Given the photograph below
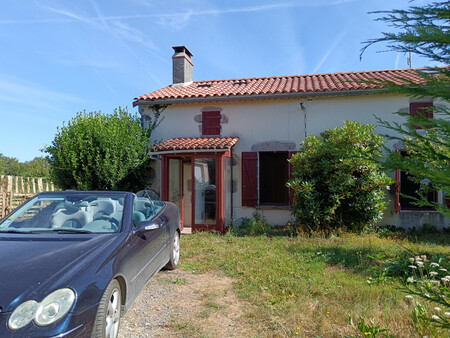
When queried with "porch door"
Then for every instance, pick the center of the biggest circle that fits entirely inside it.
(204, 176)
(196, 185)
(176, 185)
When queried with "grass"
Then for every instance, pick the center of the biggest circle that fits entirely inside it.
(309, 286)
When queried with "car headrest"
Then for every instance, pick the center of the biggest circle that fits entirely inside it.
(138, 217)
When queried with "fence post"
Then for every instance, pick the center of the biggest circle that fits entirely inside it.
(9, 183)
(40, 187)
(2, 204)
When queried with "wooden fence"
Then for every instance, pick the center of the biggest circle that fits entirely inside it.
(15, 189)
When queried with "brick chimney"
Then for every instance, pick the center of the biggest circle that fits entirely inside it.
(182, 66)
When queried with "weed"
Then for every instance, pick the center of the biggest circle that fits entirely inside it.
(188, 329)
(369, 329)
(178, 280)
(255, 226)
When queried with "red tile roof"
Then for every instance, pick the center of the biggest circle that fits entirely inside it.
(279, 85)
(197, 143)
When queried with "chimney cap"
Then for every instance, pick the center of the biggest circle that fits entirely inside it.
(181, 49)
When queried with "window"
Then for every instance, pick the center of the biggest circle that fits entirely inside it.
(264, 177)
(273, 175)
(410, 188)
(406, 187)
(211, 123)
(421, 109)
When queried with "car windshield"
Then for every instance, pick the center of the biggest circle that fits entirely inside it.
(67, 213)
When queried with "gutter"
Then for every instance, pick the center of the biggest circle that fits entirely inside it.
(255, 97)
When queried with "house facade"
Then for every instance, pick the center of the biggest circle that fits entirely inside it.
(225, 144)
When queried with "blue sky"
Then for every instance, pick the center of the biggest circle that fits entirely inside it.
(59, 57)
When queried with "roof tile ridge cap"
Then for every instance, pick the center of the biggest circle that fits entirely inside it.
(304, 75)
(365, 71)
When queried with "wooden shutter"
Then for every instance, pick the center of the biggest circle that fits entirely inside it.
(249, 179)
(211, 123)
(421, 109)
(291, 169)
(397, 188)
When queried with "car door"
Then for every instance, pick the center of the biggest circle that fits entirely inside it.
(148, 245)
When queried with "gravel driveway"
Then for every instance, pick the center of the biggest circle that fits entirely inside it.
(180, 304)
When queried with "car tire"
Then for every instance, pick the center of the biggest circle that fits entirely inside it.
(107, 320)
(174, 252)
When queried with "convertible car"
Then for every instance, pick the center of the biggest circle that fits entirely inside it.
(73, 262)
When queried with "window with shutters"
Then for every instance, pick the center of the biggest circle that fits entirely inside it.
(211, 123)
(264, 177)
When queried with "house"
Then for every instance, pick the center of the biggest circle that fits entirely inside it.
(225, 143)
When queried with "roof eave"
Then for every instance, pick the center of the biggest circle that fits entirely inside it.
(256, 97)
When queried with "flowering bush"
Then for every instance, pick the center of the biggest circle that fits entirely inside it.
(336, 181)
(429, 280)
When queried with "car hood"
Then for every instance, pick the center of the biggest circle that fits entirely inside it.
(32, 266)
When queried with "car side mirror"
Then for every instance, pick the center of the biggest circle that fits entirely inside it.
(146, 226)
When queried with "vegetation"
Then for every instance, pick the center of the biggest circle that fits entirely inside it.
(422, 31)
(310, 286)
(38, 167)
(100, 152)
(336, 181)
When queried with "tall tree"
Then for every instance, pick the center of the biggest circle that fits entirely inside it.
(424, 31)
(100, 152)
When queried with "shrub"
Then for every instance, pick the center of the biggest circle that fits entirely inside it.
(100, 152)
(255, 226)
(336, 181)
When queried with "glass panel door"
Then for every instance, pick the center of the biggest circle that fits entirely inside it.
(205, 190)
(176, 184)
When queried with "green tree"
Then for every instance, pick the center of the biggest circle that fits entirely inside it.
(11, 166)
(424, 31)
(100, 152)
(37, 167)
(336, 180)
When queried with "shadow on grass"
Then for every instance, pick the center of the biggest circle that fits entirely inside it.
(358, 261)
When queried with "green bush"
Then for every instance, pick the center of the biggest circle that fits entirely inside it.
(336, 181)
(95, 151)
(255, 226)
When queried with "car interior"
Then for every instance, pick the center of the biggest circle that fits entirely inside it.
(97, 214)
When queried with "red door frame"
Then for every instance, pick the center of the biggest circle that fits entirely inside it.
(220, 187)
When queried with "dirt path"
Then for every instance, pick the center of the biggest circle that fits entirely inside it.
(181, 304)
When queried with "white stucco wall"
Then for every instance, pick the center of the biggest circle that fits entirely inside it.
(284, 120)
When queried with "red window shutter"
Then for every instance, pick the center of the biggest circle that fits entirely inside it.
(421, 108)
(291, 169)
(211, 123)
(249, 179)
(397, 188)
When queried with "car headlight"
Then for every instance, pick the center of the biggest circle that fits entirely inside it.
(52, 308)
(23, 314)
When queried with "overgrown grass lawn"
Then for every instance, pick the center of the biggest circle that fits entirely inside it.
(309, 286)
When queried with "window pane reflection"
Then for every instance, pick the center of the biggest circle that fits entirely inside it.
(205, 190)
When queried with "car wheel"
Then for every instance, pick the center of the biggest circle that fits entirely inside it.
(108, 314)
(174, 252)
